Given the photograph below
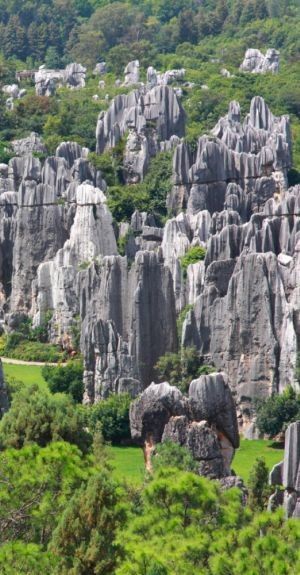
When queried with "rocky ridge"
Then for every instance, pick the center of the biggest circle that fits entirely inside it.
(58, 249)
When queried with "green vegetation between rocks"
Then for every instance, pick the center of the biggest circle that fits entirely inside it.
(193, 255)
(180, 368)
(275, 413)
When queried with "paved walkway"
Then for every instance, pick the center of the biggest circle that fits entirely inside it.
(21, 362)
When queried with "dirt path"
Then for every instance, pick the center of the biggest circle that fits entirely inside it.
(20, 362)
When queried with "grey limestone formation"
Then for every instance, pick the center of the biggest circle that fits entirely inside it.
(150, 118)
(155, 78)
(33, 143)
(157, 108)
(128, 321)
(46, 80)
(258, 63)
(254, 153)
(100, 69)
(240, 306)
(205, 422)
(132, 73)
(287, 473)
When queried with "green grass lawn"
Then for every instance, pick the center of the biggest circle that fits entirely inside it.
(128, 462)
(25, 373)
(249, 450)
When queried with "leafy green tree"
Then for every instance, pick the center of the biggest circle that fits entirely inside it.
(37, 416)
(276, 412)
(65, 379)
(259, 490)
(112, 414)
(171, 454)
(181, 368)
(36, 484)
(85, 539)
(24, 559)
(52, 59)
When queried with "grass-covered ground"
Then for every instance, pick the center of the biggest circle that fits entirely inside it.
(128, 462)
(26, 373)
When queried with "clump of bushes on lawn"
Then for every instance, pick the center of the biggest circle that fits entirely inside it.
(111, 416)
(65, 379)
(275, 413)
(37, 416)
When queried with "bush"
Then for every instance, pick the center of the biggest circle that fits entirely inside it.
(192, 256)
(149, 195)
(36, 416)
(276, 412)
(112, 415)
(171, 454)
(65, 379)
(259, 490)
(181, 368)
(17, 348)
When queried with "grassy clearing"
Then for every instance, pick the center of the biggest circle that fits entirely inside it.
(26, 373)
(250, 450)
(128, 462)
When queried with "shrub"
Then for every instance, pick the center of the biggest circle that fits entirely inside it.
(258, 485)
(65, 379)
(17, 348)
(276, 412)
(112, 414)
(192, 256)
(39, 417)
(180, 368)
(171, 454)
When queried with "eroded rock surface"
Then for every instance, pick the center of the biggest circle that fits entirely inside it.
(287, 473)
(258, 63)
(204, 422)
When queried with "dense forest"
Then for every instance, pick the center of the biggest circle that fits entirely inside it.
(63, 509)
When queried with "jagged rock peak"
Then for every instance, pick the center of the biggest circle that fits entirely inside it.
(254, 153)
(159, 107)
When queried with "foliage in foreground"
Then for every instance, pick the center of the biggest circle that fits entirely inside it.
(85, 539)
(61, 512)
(37, 416)
(187, 525)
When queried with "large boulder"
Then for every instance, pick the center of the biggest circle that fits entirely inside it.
(205, 422)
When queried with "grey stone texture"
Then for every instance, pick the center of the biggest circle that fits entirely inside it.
(205, 422)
